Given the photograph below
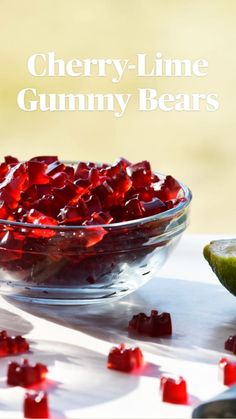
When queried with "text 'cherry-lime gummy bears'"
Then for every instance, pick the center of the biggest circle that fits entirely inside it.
(154, 325)
(173, 390)
(227, 372)
(24, 374)
(125, 359)
(230, 344)
(12, 345)
(36, 405)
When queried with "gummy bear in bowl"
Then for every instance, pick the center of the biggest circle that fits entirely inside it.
(77, 233)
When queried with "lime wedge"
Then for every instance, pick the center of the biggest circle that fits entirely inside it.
(221, 256)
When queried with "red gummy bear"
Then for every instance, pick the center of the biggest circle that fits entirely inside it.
(125, 359)
(174, 390)
(155, 206)
(134, 209)
(4, 351)
(37, 173)
(230, 344)
(36, 405)
(36, 217)
(154, 325)
(12, 345)
(13, 185)
(11, 160)
(25, 375)
(227, 372)
(169, 190)
(140, 173)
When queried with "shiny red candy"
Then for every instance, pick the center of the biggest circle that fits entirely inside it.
(155, 325)
(14, 183)
(12, 345)
(36, 405)
(71, 214)
(230, 344)
(11, 160)
(227, 372)
(170, 189)
(24, 374)
(45, 159)
(37, 173)
(99, 218)
(140, 174)
(153, 207)
(125, 359)
(174, 390)
(49, 186)
(36, 217)
(134, 209)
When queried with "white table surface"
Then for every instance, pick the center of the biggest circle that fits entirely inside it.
(74, 343)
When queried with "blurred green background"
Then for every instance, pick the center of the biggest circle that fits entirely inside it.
(198, 148)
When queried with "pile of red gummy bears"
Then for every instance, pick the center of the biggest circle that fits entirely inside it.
(47, 191)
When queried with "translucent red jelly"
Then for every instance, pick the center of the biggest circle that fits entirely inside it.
(44, 190)
(125, 359)
(46, 193)
(173, 390)
(24, 374)
(227, 372)
(12, 345)
(154, 325)
(230, 344)
(36, 405)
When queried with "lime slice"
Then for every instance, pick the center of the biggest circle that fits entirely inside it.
(221, 256)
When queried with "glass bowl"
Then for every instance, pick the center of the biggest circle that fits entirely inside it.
(86, 264)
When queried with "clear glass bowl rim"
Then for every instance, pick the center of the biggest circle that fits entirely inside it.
(139, 221)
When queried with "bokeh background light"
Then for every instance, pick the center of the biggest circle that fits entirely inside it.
(198, 148)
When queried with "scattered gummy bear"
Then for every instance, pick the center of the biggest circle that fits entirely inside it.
(174, 390)
(227, 372)
(12, 345)
(154, 325)
(24, 374)
(125, 359)
(36, 405)
(230, 344)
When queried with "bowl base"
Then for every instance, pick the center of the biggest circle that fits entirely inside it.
(66, 296)
(63, 301)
